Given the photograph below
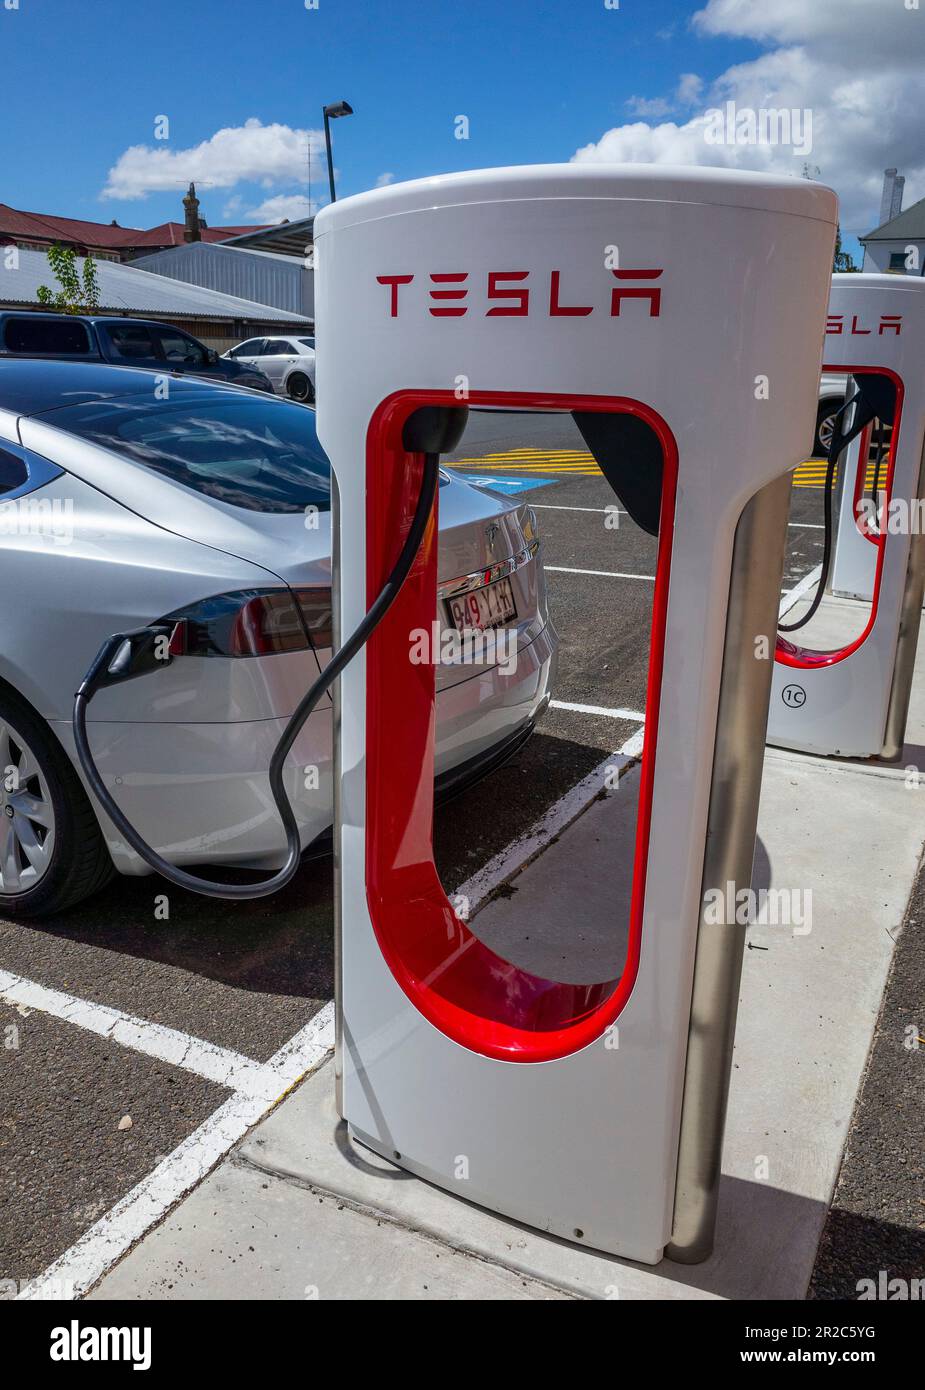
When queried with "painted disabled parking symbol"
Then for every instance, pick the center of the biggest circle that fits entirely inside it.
(794, 696)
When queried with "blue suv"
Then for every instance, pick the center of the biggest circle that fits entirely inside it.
(123, 342)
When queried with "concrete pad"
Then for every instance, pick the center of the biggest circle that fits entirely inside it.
(848, 834)
(809, 1003)
(246, 1233)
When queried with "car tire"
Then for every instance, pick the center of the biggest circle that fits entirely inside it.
(300, 388)
(825, 419)
(49, 803)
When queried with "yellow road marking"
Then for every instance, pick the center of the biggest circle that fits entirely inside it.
(580, 463)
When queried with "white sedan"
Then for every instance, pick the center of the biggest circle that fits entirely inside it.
(288, 362)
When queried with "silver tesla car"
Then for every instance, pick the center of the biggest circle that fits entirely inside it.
(127, 498)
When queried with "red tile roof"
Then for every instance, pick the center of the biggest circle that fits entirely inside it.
(38, 224)
(41, 226)
(171, 234)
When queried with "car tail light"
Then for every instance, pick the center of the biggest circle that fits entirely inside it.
(253, 622)
(315, 608)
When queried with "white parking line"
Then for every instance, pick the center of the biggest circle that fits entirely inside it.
(554, 507)
(569, 807)
(633, 715)
(600, 574)
(605, 511)
(98, 1249)
(790, 597)
(219, 1064)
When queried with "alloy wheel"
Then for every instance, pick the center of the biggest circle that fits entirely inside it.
(826, 430)
(27, 818)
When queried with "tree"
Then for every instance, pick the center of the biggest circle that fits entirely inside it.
(844, 261)
(79, 294)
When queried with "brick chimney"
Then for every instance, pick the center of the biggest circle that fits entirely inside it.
(891, 203)
(193, 229)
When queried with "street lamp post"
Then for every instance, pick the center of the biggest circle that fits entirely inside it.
(336, 108)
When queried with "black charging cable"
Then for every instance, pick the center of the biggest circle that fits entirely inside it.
(878, 464)
(431, 430)
(840, 439)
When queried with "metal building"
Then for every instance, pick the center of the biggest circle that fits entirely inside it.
(218, 320)
(265, 277)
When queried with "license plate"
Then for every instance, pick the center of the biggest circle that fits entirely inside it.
(483, 609)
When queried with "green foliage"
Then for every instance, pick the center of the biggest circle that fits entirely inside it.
(79, 294)
(844, 261)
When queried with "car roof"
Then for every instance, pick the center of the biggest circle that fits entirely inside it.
(31, 386)
(86, 318)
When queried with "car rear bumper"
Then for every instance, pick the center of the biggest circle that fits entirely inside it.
(199, 793)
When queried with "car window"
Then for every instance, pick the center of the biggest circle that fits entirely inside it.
(180, 349)
(307, 342)
(13, 472)
(55, 336)
(130, 341)
(249, 349)
(258, 453)
(276, 347)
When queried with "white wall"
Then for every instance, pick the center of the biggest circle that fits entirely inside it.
(877, 254)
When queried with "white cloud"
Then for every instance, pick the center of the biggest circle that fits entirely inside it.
(649, 106)
(384, 180)
(292, 206)
(861, 31)
(254, 152)
(856, 65)
(689, 88)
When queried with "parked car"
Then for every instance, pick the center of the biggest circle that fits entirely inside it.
(289, 362)
(832, 390)
(210, 509)
(123, 342)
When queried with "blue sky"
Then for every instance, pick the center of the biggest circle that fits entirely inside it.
(537, 79)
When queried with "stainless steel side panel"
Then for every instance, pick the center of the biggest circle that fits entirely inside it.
(910, 618)
(338, 853)
(738, 758)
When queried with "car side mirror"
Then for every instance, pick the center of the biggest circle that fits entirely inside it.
(211, 355)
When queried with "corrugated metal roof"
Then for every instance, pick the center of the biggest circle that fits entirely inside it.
(122, 287)
(290, 238)
(256, 275)
(269, 255)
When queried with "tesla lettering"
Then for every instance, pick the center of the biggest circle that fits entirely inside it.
(449, 294)
(889, 323)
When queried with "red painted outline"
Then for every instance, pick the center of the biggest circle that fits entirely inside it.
(463, 988)
(860, 478)
(805, 658)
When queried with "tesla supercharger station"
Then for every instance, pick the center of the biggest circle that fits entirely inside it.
(688, 306)
(852, 699)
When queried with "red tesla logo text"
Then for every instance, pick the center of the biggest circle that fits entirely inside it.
(510, 295)
(888, 323)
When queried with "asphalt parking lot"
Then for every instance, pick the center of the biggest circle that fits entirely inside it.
(84, 1117)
